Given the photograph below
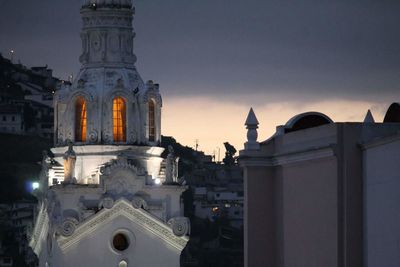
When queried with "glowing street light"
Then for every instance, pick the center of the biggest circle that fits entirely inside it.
(35, 185)
(157, 181)
(12, 54)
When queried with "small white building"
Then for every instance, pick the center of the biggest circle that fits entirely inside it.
(217, 203)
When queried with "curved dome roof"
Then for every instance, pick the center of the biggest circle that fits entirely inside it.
(107, 2)
(393, 113)
(307, 120)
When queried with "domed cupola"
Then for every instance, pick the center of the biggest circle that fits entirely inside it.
(108, 102)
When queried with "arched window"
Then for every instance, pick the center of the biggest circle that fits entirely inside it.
(119, 119)
(152, 121)
(80, 120)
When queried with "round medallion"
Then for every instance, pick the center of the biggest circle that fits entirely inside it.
(93, 136)
(108, 203)
(96, 42)
(68, 226)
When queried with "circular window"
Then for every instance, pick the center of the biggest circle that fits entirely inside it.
(120, 242)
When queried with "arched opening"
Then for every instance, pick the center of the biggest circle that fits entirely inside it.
(393, 113)
(306, 120)
(152, 120)
(80, 119)
(119, 119)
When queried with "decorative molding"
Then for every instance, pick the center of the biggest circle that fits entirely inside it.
(380, 141)
(68, 226)
(123, 207)
(40, 230)
(138, 202)
(287, 158)
(180, 226)
(107, 203)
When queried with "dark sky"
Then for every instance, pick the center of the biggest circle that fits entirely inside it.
(232, 49)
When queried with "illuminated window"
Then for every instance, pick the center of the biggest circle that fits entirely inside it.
(80, 120)
(152, 121)
(119, 119)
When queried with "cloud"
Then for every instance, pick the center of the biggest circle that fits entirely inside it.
(214, 122)
(215, 59)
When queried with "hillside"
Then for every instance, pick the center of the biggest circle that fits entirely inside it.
(19, 164)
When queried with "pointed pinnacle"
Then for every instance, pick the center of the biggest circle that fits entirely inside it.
(369, 118)
(251, 119)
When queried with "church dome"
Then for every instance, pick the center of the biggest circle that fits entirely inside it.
(108, 3)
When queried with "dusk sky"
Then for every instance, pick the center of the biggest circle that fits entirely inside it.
(214, 59)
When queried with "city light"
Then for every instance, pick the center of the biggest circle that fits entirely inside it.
(157, 181)
(35, 185)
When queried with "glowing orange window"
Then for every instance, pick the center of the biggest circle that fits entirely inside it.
(119, 119)
(80, 120)
(152, 121)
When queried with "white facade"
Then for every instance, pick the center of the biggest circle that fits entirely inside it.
(382, 197)
(319, 193)
(102, 200)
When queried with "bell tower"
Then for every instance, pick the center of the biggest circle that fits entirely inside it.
(107, 34)
(108, 103)
(104, 199)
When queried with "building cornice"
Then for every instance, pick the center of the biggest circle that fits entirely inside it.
(286, 158)
(380, 141)
(40, 230)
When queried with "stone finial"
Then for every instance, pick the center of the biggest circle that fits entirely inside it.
(369, 118)
(252, 135)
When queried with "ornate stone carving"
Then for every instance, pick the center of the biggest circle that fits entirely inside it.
(106, 137)
(81, 83)
(107, 203)
(140, 217)
(96, 42)
(180, 226)
(121, 178)
(139, 202)
(121, 163)
(93, 136)
(68, 226)
(152, 94)
(120, 83)
(132, 136)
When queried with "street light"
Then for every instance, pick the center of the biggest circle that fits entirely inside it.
(35, 185)
(12, 55)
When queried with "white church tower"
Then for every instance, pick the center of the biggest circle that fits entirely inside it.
(104, 199)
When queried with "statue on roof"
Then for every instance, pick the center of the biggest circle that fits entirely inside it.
(172, 167)
(69, 165)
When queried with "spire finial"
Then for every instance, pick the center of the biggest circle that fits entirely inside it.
(252, 134)
(369, 118)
